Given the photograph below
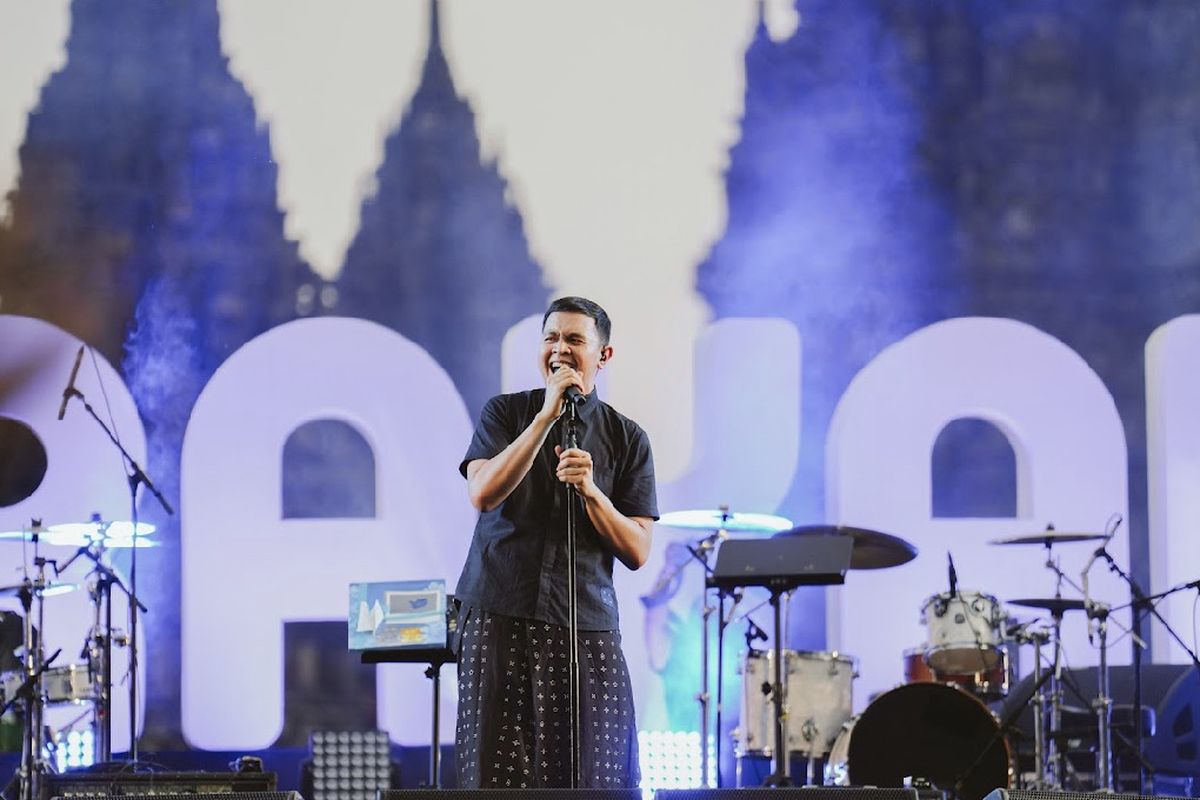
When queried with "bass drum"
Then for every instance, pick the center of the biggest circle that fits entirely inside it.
(922, 730)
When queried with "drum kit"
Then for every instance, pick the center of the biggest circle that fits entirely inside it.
(32, 682)
(941, 727)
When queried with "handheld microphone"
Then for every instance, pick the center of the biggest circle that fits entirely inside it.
(70, 390)
(572, 393)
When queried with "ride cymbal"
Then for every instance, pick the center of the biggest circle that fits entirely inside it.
(872, 549)
(1050, 537)
(723, 519)
(81, 534)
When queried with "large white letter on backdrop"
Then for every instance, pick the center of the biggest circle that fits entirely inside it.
(246, 570)
(83, 476)
(1070, 454)
(747, 411)
(1173, 470)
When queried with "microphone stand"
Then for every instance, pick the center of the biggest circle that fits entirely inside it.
(1140, 604)
(136, 478)
(571, 438)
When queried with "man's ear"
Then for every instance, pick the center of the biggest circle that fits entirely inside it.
(605, 354)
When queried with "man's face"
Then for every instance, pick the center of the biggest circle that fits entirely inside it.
(570, 339)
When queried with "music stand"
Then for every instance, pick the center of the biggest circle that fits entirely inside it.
(781, 565)
(435, 657)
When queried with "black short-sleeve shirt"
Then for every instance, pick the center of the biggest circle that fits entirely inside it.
(517, 562)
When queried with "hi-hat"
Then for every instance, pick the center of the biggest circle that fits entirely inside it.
(1051, 537)
(724, 520)
(1055, 605)
(81, 534)
(872, 549)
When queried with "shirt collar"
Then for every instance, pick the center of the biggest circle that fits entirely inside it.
(591, 402)
(587, 409)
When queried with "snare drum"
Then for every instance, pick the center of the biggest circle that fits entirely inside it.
(817, 696)
(70, 684)
(965, 632)
(932, 731)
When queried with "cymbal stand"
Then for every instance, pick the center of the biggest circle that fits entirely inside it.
(33, 763)
(99, 656)
(700, 551)
(1103, 702)
(1039, 638)
(100, 645)
(1056, 757)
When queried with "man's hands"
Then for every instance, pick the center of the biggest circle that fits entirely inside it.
(556, 388)
(575, 469)
(629, 537)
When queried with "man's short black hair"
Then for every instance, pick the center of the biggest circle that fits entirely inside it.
(581, 305)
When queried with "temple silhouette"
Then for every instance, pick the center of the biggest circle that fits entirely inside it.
(440, 255)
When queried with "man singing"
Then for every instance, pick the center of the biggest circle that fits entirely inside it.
(514, 725)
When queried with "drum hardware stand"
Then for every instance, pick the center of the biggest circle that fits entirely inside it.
(1039, 638)
(753, 633)
(1023, 634)
(136, 477)
(33, 765)
(99, 649)
(1055, 754)
(812, 776)
(700, 551)
(1103, 702)
(721, 625)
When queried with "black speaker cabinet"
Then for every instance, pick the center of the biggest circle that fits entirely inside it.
(221, 796)
(790, 793)
(510, 794)
(194, 785)
(1021, 794)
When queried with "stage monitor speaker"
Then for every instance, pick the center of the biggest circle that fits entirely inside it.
(792, 793)
(217, 796)
(789, 793)
(195, 785)
(1021, 794)
(511, 794)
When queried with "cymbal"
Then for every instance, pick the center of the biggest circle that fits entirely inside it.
(872, 549)
(1055, 605)
(1051, 537)
(81, 534)
(49, 590)
(723, 519)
